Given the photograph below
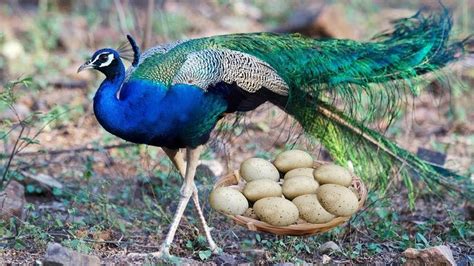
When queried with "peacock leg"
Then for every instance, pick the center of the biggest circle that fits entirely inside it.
(192, 156)
(212, 245)
(177, 158)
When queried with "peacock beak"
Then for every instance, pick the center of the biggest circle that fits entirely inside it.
(84, 66)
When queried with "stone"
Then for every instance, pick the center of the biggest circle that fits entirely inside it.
(326, 259)
(12, 201)
(44, 180)
(329, 247)
(439, 255)
(13, 50)
(59, 255)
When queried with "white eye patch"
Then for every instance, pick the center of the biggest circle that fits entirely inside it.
(110, 58)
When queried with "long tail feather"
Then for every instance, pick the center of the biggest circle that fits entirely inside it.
(371, 80)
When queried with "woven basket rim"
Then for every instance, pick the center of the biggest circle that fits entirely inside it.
(234, 180)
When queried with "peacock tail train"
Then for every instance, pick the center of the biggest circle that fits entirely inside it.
(370, 81)
(382, 74)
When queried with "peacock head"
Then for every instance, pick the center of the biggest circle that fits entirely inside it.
(105, 60)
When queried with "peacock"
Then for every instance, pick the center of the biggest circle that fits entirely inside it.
(173, 96)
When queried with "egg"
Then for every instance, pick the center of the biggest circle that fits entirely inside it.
(333, 174)
(229, 201)
(355, 191)
(276, 211)
(262, 188)
(299, 172)
(299, 185)
(311, 210)
(337, 199)
(258, 168)
(292, 159)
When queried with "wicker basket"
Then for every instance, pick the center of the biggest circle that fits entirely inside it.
(302, 229)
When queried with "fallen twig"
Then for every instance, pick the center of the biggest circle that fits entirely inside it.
(10, 158)
(68, 84)
(75, 150)
(96, 241)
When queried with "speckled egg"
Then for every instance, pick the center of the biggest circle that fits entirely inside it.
(292, 159)
(333, 174)
(276, 211)
(258, 168)
(299, 172)
(337, 199)
(261, 188)
(299, 185)
(228, 201)
(311, 210)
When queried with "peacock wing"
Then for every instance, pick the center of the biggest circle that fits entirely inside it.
(208, 67)
(153, 53)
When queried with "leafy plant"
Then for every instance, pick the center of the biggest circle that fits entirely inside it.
(21, 131)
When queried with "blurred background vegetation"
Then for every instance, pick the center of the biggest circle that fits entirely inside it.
(96, 194)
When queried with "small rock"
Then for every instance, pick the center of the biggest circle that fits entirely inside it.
(57, 254)
(12, 200)
(329, 247)
(44, 180)
(225, 259)
(439, 255)
(13, 50)
(326, 259)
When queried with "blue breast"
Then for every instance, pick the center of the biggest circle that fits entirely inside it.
(150, 113)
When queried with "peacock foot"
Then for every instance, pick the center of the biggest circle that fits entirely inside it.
(214, 248)
(163, 253)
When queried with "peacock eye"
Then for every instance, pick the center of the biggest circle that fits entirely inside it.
(103, 57)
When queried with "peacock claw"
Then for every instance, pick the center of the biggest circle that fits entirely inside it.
(216, 250)
(164, 253)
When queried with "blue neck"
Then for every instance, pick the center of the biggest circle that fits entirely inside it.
(106, 102)
(115, 73)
